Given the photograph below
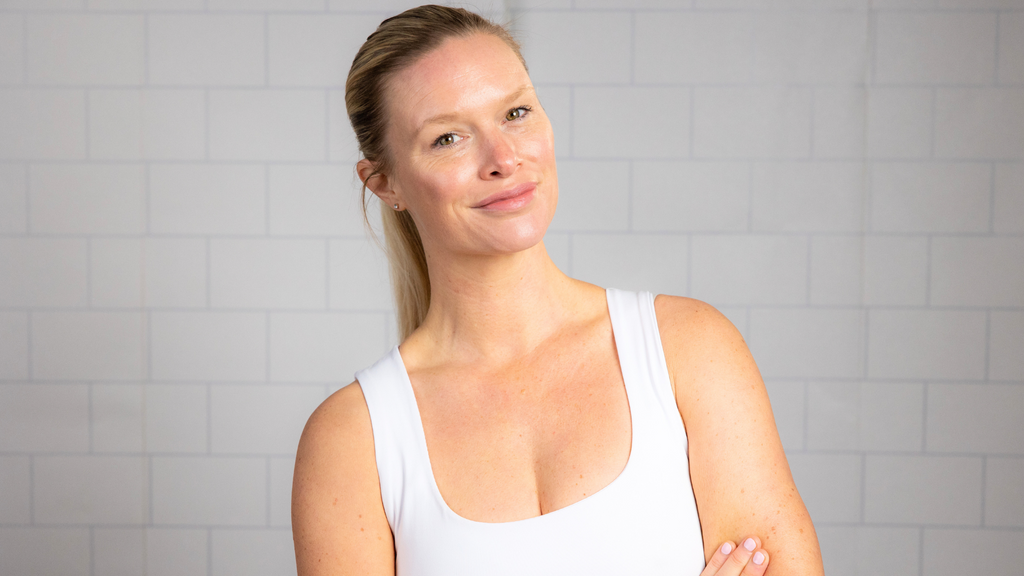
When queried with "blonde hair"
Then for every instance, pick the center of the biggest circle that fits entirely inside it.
(397, 43)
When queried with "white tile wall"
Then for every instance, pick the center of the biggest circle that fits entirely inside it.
(42, 123)
(185, 274)
(581, 47)
(87, 199)
(90, 489)
(247, 419)
(923, 490)
(631, 122)
(12, 61)
(807, 197)
(923, 47)
(13, 199)
(870, 550)
(43, 272)
(934, 344)
(206, 49)
(807, 342)
(224, 491)
(79, 345)
(85, 49)
(279, 125)
(268, 273)
(34, 550)
(1004, 492)
(119, 551)
(953, 551)
(977, 271)
(252, 553)
(176, 418)
(207, 199)
(52, 418)
(593, 196)
(757, 269)
(16, 489)
(209, 346)
(683, 196)
(14, 353)
(1009, 199)
(979, 123)
(930, 197)
(955, 409)
(1006, 332)
(1011, 48)
(177, 552)
(118, 417)
(754, 122)
(147, 124)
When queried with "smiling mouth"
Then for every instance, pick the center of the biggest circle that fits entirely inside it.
(509, 199)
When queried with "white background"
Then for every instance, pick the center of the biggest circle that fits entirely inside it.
(184, 274)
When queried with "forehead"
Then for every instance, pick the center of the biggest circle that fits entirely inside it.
(460, 74)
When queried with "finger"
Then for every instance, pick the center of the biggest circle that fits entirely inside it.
(739, 558)
(718, 559)
(758, 563)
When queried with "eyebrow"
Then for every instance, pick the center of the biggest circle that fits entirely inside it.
(441, 118)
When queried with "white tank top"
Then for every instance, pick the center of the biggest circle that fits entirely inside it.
(644, 522)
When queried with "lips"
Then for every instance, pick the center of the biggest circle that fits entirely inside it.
(512, 198)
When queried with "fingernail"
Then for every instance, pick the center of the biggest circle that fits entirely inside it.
(726, 548)
(749, 544)
(758, 558)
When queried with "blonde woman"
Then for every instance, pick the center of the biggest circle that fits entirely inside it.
(528, 423)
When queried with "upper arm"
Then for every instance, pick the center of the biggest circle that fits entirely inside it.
(338, 520)
(741, 479)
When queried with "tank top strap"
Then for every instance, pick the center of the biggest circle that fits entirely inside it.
(644, 368)
(403, 464)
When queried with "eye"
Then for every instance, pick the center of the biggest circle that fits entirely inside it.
(517, 113)
(445, 140)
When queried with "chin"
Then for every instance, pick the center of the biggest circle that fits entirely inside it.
(519, 236)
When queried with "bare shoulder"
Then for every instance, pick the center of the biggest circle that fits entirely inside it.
(338, 519)
(740, 476)
(697, 339)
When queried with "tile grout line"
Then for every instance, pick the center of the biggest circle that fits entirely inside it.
(924, 417)
(995, 57)
(920, 551)
(90, 389)
(24, 49)
(992, 200)
(809, 264)
(32, 489)
(863, 486)
(92, 551)
(209, 419)
(988, 343)
(984, 486)
(209, 552)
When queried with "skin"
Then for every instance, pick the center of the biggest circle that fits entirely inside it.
(514, 368)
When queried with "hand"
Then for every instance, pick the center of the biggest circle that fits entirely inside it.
(747, 559)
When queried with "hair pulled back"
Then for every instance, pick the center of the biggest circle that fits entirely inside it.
(397, 43)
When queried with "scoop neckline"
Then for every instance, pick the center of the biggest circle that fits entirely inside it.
(436, 491)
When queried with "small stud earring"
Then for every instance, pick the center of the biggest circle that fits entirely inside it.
(396, 206)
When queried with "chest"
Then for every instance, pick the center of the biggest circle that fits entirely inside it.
(529, 439)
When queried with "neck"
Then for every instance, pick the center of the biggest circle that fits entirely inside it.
(494, 309)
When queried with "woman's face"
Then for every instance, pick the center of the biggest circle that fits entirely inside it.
(473, 150)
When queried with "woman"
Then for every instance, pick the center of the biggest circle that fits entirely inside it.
(528, 423)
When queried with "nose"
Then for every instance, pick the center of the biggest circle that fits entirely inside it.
(500, 159)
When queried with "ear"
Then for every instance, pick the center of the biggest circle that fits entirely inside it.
(377, 183)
